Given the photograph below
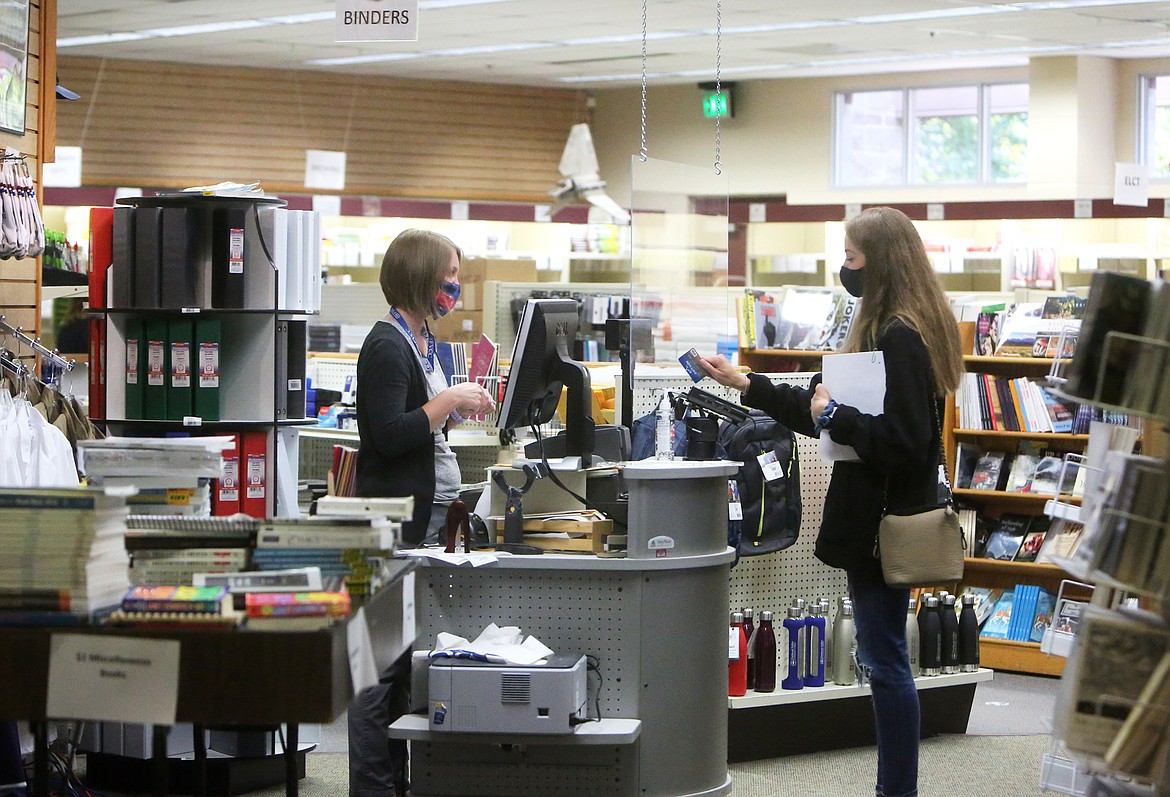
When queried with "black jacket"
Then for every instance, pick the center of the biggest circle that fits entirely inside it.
(899, 447)
(397, 452)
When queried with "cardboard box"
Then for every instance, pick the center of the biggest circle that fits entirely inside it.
(475, 271)
(459, 326)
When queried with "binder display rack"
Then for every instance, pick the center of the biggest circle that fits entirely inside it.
(206, 308)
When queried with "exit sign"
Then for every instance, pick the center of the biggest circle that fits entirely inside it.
(717, 104)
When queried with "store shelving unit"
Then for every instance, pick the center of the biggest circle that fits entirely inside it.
(249, 370)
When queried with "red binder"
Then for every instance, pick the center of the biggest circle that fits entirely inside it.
(101, 253)
(254, 474)
(225, 492)
(97, 368)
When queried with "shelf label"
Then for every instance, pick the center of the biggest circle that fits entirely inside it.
(124, 679)
(376, 21)
(192, 420)
(188, 310)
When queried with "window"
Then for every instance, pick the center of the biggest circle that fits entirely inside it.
(1154, 127)
(956, 135)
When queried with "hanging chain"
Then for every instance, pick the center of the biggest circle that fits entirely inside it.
(642, 154)
(718, 76)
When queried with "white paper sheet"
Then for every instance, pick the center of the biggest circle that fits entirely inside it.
(857, 380)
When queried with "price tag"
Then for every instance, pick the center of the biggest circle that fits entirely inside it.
(192, 420)
(733, 643)
(770, 466)
(734, 506)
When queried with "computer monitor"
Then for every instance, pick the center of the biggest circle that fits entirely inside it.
(542, 363)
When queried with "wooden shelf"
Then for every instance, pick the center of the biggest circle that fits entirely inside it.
(1023, 571)
(1018, 501)
(1005, 654)
(1049, 437)
(1007, 366)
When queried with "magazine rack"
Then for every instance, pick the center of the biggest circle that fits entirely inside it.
(1057, 641)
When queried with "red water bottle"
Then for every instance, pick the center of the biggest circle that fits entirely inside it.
(736, 657)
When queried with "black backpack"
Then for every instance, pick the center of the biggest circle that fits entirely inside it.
(771, 509)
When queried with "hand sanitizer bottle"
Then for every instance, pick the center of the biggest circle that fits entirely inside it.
(664, 429)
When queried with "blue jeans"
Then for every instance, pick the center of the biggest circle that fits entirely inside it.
(880, 619)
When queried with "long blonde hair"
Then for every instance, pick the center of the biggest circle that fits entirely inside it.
(900, 284)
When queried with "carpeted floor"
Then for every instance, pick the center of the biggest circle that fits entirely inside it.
(950, 766)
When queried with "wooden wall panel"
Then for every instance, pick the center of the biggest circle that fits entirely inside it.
(20, 279)
(156, 124)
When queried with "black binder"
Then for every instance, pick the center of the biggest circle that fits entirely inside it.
(227, 257)
(147, 255)
(298, 332)
(186, 268)
(121, 293)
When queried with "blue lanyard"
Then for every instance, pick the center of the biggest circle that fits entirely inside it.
(430, 356)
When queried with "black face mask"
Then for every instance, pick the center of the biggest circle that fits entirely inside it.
(853, 280)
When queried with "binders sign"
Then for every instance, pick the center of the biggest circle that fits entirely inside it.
(376, 21)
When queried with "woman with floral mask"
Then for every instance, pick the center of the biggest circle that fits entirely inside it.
(905, 315)
(404, 407)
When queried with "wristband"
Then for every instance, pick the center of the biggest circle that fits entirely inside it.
(826, 417)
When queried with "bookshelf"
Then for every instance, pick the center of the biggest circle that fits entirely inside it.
(205, 330)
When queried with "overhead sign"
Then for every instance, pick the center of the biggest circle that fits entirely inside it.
(1131, 185)
(376, 21)
(324, 169)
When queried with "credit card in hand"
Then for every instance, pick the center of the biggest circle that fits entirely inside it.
(690, 361)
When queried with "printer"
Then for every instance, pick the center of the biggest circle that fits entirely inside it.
(469, 696)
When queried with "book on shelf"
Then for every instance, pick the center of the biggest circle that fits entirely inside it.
(766, 320)
(1006, 538)
(1023, 468)
(1115, 656)
(1066, 616)
(987, 326)
(1033, 540)
(837, 325)
(1046, 478)
(966, 457)
(1117, 303)
(343, 477)
(999, 619)
(803, 314)
(1146, 729)
(297, 604)
(986, 475)
(196, 600)
(986, 599)
(1061, 541)
(1067, 306)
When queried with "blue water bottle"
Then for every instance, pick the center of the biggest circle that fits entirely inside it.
(814, 635)
(794, 640)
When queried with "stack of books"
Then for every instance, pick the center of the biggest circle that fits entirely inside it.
(172, 475)
(288, 611)
(171, 549)
(62, 560)
(177, 606)
(1021, 614)
(353, 549)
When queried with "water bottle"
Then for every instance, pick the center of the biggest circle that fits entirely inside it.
(736, 657)
(913, 639)
(827, 614)
(968, 636)
(931, 634)
(765, 654)
(843, 638)
(749, 630)
(814, 646)
(794, 644)
(950, 637)
(922, 599)
(664, 429)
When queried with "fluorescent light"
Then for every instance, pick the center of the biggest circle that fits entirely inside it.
(944, 13)
(488, 49)
(99, 38)
(198, 30)
(365, 59)
(300, 19)
(425, 5)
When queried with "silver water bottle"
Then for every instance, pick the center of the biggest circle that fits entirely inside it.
(844, 633)
(913, 645)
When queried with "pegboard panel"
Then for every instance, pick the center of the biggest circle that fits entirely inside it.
(330, 373)
(770, 581)
(316, 450)
(585, 611)
(475, 460)
(506, 770)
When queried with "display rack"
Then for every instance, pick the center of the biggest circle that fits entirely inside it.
(251, 363)
(49, 356)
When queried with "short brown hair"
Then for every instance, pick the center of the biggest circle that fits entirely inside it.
(414, 266)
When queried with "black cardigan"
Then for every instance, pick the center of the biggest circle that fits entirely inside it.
(899, 447)
(396, 456)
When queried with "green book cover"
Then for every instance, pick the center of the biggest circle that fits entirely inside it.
(180, 346)
(154, 393)
(135, 379)
(206, 351)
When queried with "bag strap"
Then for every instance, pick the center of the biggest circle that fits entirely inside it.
(940, 460)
